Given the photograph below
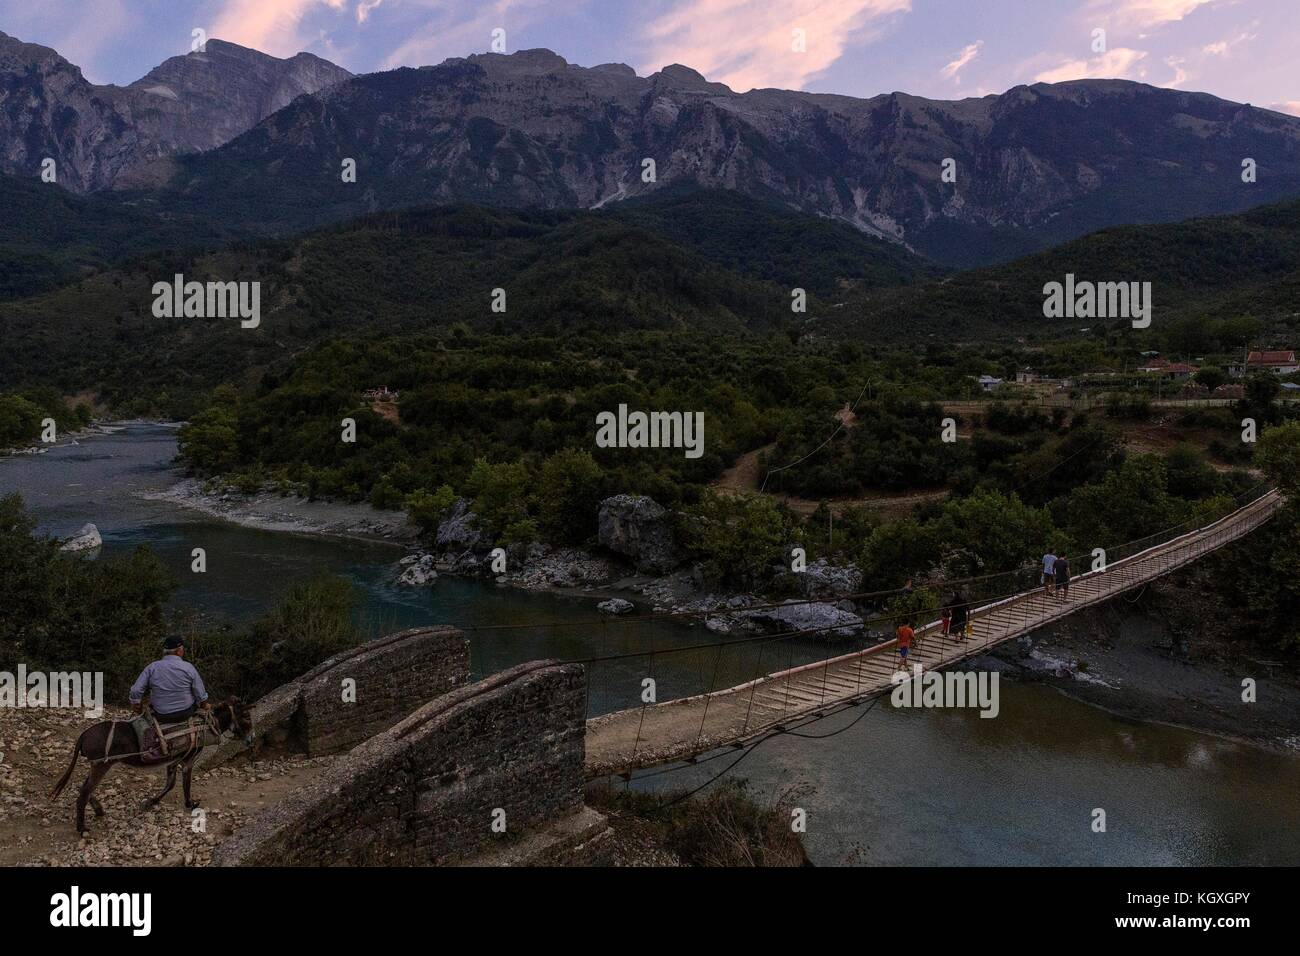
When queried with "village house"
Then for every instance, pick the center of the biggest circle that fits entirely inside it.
(1279, 362)
(380, 394)
(1166, 369)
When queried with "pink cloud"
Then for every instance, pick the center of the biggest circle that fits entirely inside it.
(968, 53)
(1144, 14)
(1113, 64)
(271, 26)
(750, 43)
(451, 32)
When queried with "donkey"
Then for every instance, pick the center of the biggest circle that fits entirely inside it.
(113, 741)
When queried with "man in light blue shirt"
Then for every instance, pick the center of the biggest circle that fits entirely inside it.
(174, 687)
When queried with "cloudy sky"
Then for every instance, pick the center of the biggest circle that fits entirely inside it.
(1241, 50)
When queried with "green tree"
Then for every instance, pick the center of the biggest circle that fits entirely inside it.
(1210, 376)
(1278, 453)
(569, 491)
(1131, 502)
(990, 532)
(737, 537)
(209, 441)
(501, 499)
(20, 420)
(897, 551)
(427, 509)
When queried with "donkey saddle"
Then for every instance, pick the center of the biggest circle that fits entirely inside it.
(165, 741)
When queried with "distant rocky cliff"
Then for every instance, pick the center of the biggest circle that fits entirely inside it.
(1031, 167)
(103, 136)
(1035, 165)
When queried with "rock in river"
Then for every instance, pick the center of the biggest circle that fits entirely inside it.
(637, 526)
(87, 539)
(418, 572)
(459, 531)
(826, 619)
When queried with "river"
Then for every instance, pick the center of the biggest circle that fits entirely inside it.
(896, 787)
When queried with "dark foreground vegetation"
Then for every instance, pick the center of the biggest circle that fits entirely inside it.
(724, 826)
(64, 612)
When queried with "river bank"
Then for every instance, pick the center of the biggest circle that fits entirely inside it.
(272, 511)
(539, 568)
(1125, 658)
(72, 438)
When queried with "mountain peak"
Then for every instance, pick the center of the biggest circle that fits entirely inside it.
(104, 135)
(536, 60)
(680, 77)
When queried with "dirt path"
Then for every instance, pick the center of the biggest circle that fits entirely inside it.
(33, 831)
(745, 477)
(745, 474)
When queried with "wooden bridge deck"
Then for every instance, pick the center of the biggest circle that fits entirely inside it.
(679, 729)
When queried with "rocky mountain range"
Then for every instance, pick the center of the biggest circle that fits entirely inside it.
(104, 136)
(1034, 166)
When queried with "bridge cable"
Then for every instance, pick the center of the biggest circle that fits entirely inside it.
(749, 750)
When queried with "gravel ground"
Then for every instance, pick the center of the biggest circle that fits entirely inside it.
(36, 746)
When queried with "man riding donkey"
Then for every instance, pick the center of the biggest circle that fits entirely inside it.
(171, 730)
(175, 692)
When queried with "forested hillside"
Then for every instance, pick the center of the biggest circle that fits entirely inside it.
(1221, 267)
(416, 269)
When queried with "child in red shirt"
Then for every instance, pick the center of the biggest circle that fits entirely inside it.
(905, 634)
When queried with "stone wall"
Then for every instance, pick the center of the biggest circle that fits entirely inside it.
(424, 791)
(394, 675)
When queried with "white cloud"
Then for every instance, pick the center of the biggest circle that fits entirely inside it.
(364, 7)
(968, 53)
(748, 43)
(1287, 106)
(1118, 63)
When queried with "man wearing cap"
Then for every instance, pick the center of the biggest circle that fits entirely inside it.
(174, 687)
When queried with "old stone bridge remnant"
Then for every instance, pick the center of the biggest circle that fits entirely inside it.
(487, 773)
(320, 714)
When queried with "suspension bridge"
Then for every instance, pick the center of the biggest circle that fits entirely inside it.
(683, 729)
